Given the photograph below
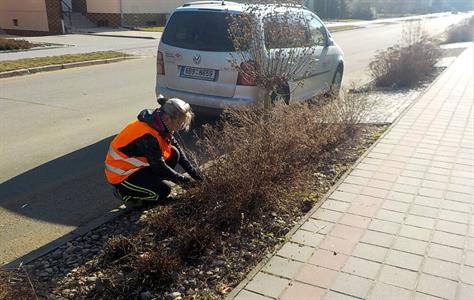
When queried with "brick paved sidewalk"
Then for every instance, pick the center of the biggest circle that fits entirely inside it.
(400, 226)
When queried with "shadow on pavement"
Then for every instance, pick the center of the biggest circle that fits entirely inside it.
(70, 190)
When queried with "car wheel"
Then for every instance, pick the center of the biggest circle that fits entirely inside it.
(336, 81)
(282, 94)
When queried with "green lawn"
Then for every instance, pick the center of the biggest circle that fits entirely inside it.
(153, 29)
(342, 28)
(343, 20)
(10, 65)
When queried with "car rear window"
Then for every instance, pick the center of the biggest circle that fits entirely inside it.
(199, 30)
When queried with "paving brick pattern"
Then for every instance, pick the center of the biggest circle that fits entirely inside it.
(400, 226)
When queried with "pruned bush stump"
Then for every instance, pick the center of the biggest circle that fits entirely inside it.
(408, 63)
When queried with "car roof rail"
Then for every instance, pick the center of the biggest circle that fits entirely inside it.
(222, 2)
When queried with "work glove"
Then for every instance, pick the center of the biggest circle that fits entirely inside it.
(198, 177)
(182, 180)
(189, 185)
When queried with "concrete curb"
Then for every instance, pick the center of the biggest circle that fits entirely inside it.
(44, 69)
(120, 36)
(19, 72)
(48, 68)
(43, 250)
(300, 223)
(353, 27)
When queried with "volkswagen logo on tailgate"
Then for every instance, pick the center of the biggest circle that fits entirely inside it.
(197, 59)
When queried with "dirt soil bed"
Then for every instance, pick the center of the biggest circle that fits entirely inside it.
(99, 264)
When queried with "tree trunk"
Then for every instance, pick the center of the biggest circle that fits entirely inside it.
(267, 100)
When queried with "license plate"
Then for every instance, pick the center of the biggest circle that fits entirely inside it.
(198, 73)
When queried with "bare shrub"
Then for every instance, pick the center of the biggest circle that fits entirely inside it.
(346, 107)
(117, 247)
(461, 32)
(164, 224)
(268, 156)
(16, 284)
(408, 63)
(275, 54)
(12, 44)
(157, 267)
(194, 242)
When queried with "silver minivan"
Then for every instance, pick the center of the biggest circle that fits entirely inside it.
(193, 59)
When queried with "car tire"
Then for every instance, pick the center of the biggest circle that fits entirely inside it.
(336, 83)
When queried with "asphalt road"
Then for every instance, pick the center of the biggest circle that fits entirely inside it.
(56, 126)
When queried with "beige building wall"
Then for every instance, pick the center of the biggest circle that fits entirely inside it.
(31, 15)
(151, 6)
(134, 6)
(103, 6)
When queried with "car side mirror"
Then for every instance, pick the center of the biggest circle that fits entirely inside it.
(329, 42)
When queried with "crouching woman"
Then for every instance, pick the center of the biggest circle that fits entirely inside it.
(145, 153)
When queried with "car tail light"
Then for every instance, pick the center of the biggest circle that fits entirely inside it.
(160, 64)
(243, 78)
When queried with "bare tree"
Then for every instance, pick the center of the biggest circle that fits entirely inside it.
(273, 47)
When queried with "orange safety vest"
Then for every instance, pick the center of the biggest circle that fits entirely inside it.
(119, 166)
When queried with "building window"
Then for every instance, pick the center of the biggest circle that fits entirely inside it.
(15, 22)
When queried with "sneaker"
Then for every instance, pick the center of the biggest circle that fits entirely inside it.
(127, 200)
(160, 202)
(117, 194)
(165, 201)
(132, 203)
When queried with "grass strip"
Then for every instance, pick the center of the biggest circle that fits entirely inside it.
(152, 29)
(343, 28)
(343, 20)
(26, 63)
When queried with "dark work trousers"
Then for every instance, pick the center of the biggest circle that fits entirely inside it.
(144, 185)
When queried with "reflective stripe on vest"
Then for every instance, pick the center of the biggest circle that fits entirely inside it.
(118, 166)
(130, 160)
(120, 171)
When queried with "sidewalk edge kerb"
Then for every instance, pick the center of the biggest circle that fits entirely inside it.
(13, 73)
(44, 69)
(300, 223)
(121, 36)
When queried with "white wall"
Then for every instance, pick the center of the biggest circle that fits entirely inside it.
(31, 15)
